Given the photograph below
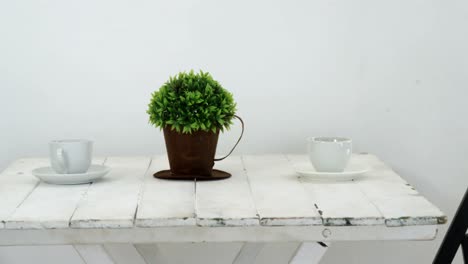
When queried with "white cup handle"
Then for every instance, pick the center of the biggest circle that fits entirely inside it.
(61, 160)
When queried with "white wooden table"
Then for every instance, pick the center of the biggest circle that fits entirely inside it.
(263, 202)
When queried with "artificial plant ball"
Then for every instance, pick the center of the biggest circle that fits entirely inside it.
(189, 102)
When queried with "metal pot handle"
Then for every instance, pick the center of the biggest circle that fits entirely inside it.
(242, 133)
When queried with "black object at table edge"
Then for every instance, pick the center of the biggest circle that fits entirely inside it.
(456, 236)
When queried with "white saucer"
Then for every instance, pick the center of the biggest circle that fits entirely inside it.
(352, 172)
(48, 175)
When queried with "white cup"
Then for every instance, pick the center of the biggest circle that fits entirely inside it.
(329, 154)
(71, 155)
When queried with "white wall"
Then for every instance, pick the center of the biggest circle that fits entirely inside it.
(390, 74)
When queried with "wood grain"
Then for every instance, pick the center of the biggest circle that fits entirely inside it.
(164, 202)
(279, 197)
(226, 202)
(112, 202)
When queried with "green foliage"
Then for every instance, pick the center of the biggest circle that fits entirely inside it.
(190, 102)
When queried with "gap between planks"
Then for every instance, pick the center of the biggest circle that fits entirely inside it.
(142, 189)
(363, 212)
(279, 197)
(226, 202)
(96, 209)
(83, 197)
(13, 170)
(19, 218)
(250, 186)
(165, 202)
(3, 223)
(393, 198)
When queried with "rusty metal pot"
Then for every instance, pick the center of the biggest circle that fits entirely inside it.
(192, 156)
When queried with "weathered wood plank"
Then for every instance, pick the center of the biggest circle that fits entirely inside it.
(22, 167)
(48, 206)
(164, 202)
(279, 197)
(16, 184)
(339, 203)
(226, 202)
(400, 211)
(218, 234)
(397, 200)
(112, 202)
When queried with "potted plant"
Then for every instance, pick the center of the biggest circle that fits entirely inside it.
(191, 109)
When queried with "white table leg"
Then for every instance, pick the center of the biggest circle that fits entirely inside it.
(124, 254)
(109, 254)
(93, 254)
(248, 253)
(309, 253)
